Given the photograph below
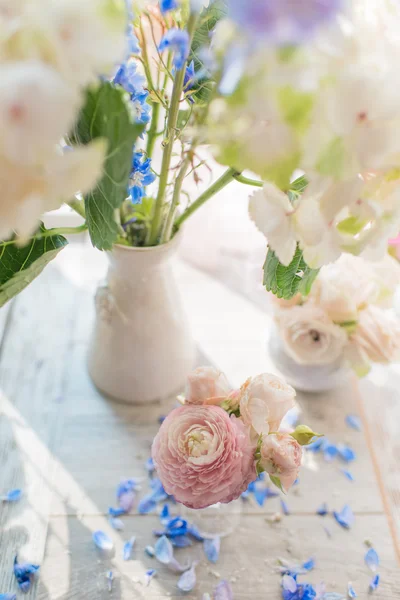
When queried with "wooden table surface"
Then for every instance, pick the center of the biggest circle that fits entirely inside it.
(67, 447)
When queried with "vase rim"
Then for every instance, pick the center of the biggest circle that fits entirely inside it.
(151, 249)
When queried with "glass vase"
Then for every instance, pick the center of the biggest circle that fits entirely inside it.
(218, 520)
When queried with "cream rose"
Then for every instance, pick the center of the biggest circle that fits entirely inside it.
(309, 336)
(205, 383)
(264, 401)
(281, 457)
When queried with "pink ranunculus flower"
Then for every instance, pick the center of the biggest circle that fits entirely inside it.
(264, 401)
(281, 457)
(205, 383)
(203, 456)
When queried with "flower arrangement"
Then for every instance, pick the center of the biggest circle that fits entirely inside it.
(210, 449)
(345, 318)
(106, 107)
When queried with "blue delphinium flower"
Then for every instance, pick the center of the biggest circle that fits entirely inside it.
(283, 22)
(189, 80)
(140, 177)
(167, 5)
(24, 573)
(133, 42)
(176, 40)
(133, 82)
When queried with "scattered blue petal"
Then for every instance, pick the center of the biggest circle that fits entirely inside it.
(354, 422)
(187, 580)
(309, 564)
(347, 474)
(374, 583)
(24, 573)
(328, 532)
(167, 5)
(289, 583)
(126, 501)
(150, 465)
(195, 533)
(345, 517)
(102, 540)
(245, 495)
(149, 576)
(164, 551)
(262, 493)
(147, 504)
(12, 496)
(116, 523)
(110, 579)
(164, 515)
(212, 548)
(285, 508)
(351, 591)
(116, 512)
(178, 41)
(330, 452)
(322, 510)
(127, 485)
(346, 453)
(181, 541)
(372, 559)
(223, 591)
(8, 597)
(150, 551)
(332, 596)
(316, 446)
(128, 547)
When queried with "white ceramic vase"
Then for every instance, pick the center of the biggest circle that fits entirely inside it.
(141, 349)
(306, 378)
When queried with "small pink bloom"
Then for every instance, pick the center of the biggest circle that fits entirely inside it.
(205, 383)
(203, 456)
(281, 457)
(264, 401)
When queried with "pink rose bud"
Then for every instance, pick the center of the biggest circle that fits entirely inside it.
(205, 383)
(203, 456)
(264, 402)
(281, 457)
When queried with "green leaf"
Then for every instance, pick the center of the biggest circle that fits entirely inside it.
(299, 185)
(276, 481)
(286, 282)
(19, 266)
(202, 39)
(107, 114)
(304, 435)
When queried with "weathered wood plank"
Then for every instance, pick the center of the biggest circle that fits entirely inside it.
(74, 569)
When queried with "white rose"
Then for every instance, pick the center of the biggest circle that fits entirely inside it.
(205, 383)
(309, 336)
(264, 401)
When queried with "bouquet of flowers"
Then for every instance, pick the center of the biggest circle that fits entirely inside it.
(345, 318)
(220, 440)
(105, 105)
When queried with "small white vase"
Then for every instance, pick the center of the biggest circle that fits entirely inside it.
(141, 349)
(306, 378)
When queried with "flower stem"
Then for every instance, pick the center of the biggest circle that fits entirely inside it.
(78, 206)
(152, 133)
(248, 181)
(168, 229)
(229, 175)
(50, 233)
(169, 139)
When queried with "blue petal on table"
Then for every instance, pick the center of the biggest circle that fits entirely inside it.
(195, 533)
(187, 580)
(346, 453)
(354, 422)
(128, 485)
(211, 548)
(8, 596)
(110, 579)
(372, 559)
(164, 515)
(309, 565)
(345, 517)
(374, 583)
(332, 596)
(347, 474)
(159, 494)
(116, 512)
(12, 496)
(316, 446)
(289, 583)
(147, 504)
(285, 508)
(351, 591)
(322, 510)
(223, 591)
(149, 576)
(181, 541)
(150, 551)
(116, 524)
(330, 451)
(164, 551)
(128, 547)
(102, 540)
(24, 572)
(127, 500)
(176, 567)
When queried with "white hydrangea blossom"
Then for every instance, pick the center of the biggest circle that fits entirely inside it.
(50, 50)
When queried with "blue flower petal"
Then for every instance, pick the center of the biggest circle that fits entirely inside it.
(316, 446)
(110, 579)
(126, 501)
(12, 496)
(347, 474)
(102, 540)
(372, 559)
(330, 452)
(149, 576)
(128, 547)
(24, 572)
(374, 583)
(181, 541)
(8, 596)
(212, 548)
(354, 422)
(150, 465)
(176, 567)
(285, 508)
(116, 524)
(150, 551)
(223, 591)
(127, 485)
(116, 512)
(289, 583)
(187, 580)
(332, 596)
(346, 453)
(178, 41)
(195, 533)
(351, 591)
(345, 517)
(167, 5)
(322, 510)
(164, 551)
(147, 504)
(309, 564)
(164, 515)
